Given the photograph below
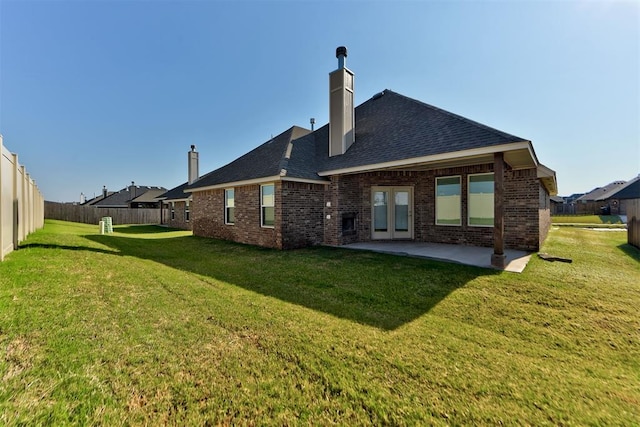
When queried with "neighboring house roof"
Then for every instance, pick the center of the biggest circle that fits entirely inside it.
(96, 199)
(176, 194)
(630, 190)
(602, 193)
(557, 199)
(392, 132)
(122, 198)
(150, 196)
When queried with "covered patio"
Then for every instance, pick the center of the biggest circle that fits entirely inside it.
(515, 261)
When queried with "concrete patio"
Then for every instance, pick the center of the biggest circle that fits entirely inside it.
(516, 261)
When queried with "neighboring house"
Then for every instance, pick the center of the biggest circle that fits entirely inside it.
(96, 199)
(132, 197)
(177, 201)
(619, 200)
(597, 201)
(393, 168)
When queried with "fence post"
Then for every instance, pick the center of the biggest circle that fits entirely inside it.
(2, 213)
(16, 203)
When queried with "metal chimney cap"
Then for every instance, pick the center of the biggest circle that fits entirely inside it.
(193, 147)
(341, 50)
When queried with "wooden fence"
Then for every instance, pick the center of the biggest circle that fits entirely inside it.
(21, 203)
(633, 222)
(92, 215)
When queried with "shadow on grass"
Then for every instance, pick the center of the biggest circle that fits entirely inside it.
(631, 251)
(143, 229)
(65, 247)
(380, 290)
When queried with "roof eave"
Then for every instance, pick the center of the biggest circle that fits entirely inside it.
(262, 180)
(548, 178)
(520, 155)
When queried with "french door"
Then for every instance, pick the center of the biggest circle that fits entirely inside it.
(392, 213)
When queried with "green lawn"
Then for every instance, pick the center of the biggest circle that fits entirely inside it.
(586, 219)
(150, 326)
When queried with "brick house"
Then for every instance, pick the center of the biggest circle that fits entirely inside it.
(176, 203)
(391, 168)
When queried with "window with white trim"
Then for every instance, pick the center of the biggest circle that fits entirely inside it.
(229, 206)
(480, 204)
(448, 204)
(173, 211)
(267, 205)
(187, 212)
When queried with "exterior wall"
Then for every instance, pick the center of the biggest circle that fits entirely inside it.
(302, 214)
(179, 220)
(309, 214)
(207, 214)
(522, 207)
(544, 215)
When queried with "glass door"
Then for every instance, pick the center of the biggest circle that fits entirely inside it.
(392, 213)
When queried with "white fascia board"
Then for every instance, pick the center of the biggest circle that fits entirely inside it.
(545, 172)
(236, 183)
(305, 180)
(186, 199)
(437, 158)
(257, 181)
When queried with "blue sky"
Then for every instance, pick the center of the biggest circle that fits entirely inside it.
(97, 93)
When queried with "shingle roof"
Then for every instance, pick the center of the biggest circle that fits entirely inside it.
(631, 190)
(389, 127)
(264, 161)
(176, 193)
(150, 195)
(392, 127)
(602, 193)
(124, 196)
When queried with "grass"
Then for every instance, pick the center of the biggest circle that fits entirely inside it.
(587, 220)
(151, 326)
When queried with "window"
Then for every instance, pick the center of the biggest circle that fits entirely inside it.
(481, 200)
(448, 201)
(186, 211)
(229, 206)
(267, 211)
(173, 211)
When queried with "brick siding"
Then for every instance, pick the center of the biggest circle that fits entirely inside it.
(352, 193)
(310, 214)
(179, 220)
(208, 217)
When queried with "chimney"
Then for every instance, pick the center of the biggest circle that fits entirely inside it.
(341, 109)
(104, 191)
(193, 164)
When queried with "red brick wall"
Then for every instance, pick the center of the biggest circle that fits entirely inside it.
(208, 217)
(309, 214)
(179, 220)
(522, 207)
(302, 214)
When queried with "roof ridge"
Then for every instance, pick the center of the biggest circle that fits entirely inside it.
(456, 116)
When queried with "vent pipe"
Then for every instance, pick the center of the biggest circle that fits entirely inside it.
(341, 54)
